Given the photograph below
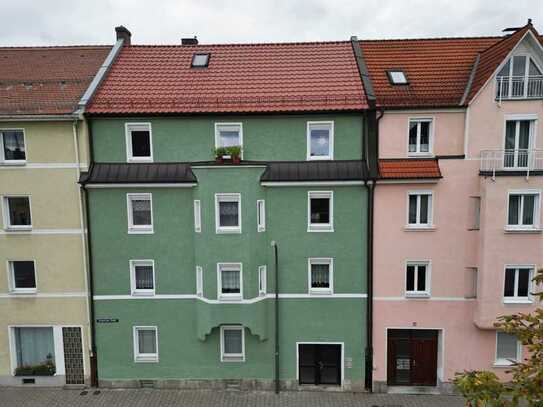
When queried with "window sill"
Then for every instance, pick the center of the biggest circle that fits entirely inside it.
(140, 231)
(223, 298)
(20, 229)
(509, 229)
(320, 158)
(143, 293)
(319, 293)
(16, 292)
(228, 359)
(517, 301)
(13, 163)
(228, 231)
(420, 155)
(146, 359)
(421, 296)
(412, 228)
(502, 364)
(140, 160)
(312, 229)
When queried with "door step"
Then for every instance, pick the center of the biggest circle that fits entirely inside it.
(413, 390)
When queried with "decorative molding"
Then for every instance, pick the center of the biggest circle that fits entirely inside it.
(44, 295)
(41, 166)
(143, 185)
(423, 299)
(309, 183)
(44, 232)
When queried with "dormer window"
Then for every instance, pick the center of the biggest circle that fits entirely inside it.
(200, 60)
(519, 78)
(397, 77)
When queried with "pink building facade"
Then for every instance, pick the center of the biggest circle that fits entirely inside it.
(453, 252)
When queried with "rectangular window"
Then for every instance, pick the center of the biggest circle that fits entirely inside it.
(518, 284)
(22, 276)
(229, 281)
(518, 142)
(145, 344)
(320, 213)
(320, 140)
(262, 280)
(139, 144)
(232, 343)
(140, 213)
(420, 137)
(228, 135)
(228, 213)
(321, 272)
(523, 210)
(417, 279)
(197, 216)
(420, 209)
(13, 150)
(199, 281)
(17, 214)
(508, 349)
(35, 348)
(142, 274)
(261, 215)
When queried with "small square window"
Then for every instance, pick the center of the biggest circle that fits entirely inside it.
(229, 281)
(262, 280)
(420, 137)
(200, 60)
(260, 215)
(419, 210)
(140, 213)
(508, 349)
(417, 279)
(232, 343)
(320, 212)
(518, 284)
(13, 147)
(139, 146)
(320, 140)
(145, 344)
(523, 211)
(321, 276)
(22, 276)
(142, 274)
(17, 214)
(228, 135)
(228, 213)
(397, 77)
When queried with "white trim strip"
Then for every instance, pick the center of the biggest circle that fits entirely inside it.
(41, 166)
(148, 185)
(44, 232)
(210, 301)
(44, 295)
(309, 183)
(409, 181)
(423, 299)
(222, 166)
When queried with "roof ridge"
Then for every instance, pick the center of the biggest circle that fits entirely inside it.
(241, 44)
(51, 47)
(483, 37)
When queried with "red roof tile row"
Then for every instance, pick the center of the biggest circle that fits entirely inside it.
(409, 168)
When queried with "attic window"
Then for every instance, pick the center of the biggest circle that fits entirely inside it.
(397, 77)
(200, 60)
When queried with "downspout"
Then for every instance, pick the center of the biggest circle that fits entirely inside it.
(276, 265)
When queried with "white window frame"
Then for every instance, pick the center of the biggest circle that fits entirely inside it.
(509, 77)
(537, 210)
(199, 281)
(138, 291)
(401, 81)
(230, 124)
(261, 215)
(330, 155)
(431, 203)
(137, 229)
(320, 227)
(418, 153)
(533, 119)
(7, 218)
(3, 159)
(197, 216)
(262, 280)
(233, 357)
(516, 299)
(321, 260)
(11, 278)
(128, 128)
(506, 362)
(427, 283)
(144, 357)
(227, 197)
(229, 296)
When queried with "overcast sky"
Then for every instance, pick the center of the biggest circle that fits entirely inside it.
(59, 22)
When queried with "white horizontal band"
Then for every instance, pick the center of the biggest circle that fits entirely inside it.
(43, 232)
(309, 183)
(44, 295)
(149, 185)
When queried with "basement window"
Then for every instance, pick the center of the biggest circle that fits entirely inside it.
(397, 77)
(200, 60)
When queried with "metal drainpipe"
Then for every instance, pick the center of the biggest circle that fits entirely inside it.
(276, 264)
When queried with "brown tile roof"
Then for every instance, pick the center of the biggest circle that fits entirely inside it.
(239, 78)
(46, 80)
(409, 168)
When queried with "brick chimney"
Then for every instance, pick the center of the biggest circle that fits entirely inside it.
(123, 34)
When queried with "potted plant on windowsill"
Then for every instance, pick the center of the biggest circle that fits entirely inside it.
(46, 368)
(232, 153)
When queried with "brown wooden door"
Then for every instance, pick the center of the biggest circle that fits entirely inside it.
(424, 361)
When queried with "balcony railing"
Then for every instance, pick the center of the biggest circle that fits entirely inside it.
(519, 87)
(511, 160)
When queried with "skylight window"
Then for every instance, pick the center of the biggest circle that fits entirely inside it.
(200, 60)
(397, 77)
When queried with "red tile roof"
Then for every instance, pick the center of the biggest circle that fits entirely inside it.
(409, 168)
(46, 80)
(239, 78)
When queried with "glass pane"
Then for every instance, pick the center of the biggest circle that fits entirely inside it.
(147, 341)
(424, 206)
(507, 346)
(413, 137)
(228, 213)
(229, 138)
(141, 212)
(141, 146)
(320, 142)
(14, 145)
(200, 59)
(519, 65)
(320, 276)
(510, 134)
(528, 210)
(509, 286)
(144, 277)
(424, 137)
(23, 274)
(410, 278)
(230, 281)
(232, 341)
(533, 70)
(34, 346)
(523, 282)
(19, 211)
(421, 280)
(505, 70)
(320, 210)
(524, 134)
(514, 204)
(412, 209)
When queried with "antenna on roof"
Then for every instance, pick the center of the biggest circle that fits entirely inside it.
(509, 29)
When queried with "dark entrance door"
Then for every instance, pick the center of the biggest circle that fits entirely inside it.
(412, 357)
(319, 364)
(73, 355)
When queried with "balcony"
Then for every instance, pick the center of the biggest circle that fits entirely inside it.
(519, 87)
(503, 161)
